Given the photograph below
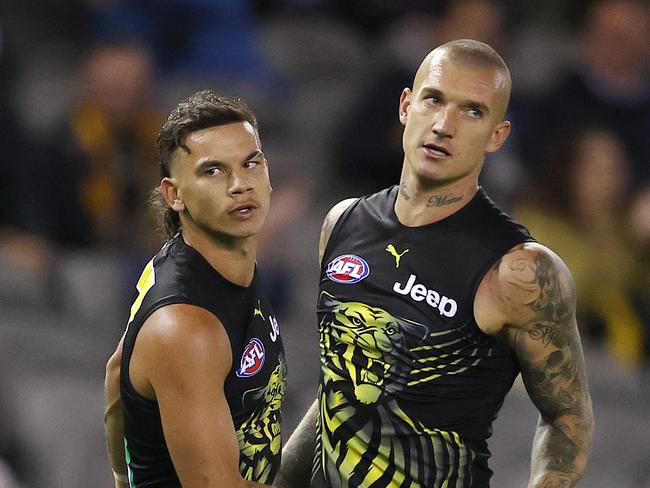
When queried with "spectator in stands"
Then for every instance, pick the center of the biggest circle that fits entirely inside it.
(639, 224)
(579, 207)
(609, 86)
(94, 175)
(20, 249)
(204, 39)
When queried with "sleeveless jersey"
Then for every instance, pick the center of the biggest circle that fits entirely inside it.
(409, 384)
(254, 387)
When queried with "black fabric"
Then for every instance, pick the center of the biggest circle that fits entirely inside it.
(407, 329)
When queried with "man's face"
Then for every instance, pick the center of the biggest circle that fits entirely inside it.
(452, 118)
(222, 186)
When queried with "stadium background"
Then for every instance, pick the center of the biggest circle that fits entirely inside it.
(84, 85)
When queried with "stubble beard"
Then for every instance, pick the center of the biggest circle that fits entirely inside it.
(222, 236)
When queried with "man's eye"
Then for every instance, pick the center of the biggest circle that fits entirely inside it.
(213, 171)
(475, 113)
(432, 99)
(251, 164)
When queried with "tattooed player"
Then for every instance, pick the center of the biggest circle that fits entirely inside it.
(432, 301)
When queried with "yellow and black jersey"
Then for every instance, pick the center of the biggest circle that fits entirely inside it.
(254, 388)
(409, 384)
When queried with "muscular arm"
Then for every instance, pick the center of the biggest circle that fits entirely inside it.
(181, 358)
(113, 420)
(537, 296)
(298, 453)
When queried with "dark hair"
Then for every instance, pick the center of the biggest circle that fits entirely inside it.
(202, 110)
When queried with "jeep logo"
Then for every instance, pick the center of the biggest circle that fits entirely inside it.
(419, 292)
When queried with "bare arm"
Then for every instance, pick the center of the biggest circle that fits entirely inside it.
(113, 420)
(182, 358)
(537, 296)
(298, 453)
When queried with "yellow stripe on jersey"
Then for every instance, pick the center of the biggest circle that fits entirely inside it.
(145, 283)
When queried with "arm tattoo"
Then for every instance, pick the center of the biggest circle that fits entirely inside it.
(554, 376)
(548, 348)
(552, 302)
(560, 483)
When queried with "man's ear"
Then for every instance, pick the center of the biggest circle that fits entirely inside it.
(404, 103)
(499, 136)
(172, 194)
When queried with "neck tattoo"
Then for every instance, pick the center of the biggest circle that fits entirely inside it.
(403, 192)
(442, 200)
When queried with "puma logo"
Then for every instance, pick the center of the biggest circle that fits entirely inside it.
(391, 249)
(258, 310)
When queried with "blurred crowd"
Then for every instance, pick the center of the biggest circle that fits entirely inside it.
(86, 84)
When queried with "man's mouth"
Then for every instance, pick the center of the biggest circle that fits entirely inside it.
(243, 210)
(436, 151)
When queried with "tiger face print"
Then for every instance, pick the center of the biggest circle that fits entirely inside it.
(259, 436)
(365, 438)
(368, 344)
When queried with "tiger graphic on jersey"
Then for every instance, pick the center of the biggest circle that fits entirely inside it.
(365, 438)
(259, 436)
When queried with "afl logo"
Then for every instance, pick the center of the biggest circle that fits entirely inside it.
(348, 269)
(252, 359)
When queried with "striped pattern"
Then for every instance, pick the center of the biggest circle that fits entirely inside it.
(365, 439)
(259, 436)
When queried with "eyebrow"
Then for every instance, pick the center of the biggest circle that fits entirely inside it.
(207, 162)
(465, 103)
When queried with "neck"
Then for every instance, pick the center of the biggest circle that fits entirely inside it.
(418, 204)
(233, 258)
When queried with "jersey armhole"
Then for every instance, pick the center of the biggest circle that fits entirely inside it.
(480, 274)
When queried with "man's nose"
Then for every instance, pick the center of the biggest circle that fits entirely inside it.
(239, 183)
(444, 123)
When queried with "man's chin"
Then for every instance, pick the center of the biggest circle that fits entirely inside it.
(236, 233)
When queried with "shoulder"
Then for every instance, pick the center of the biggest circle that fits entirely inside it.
(532, 275)
(529, 284)
(183, 335)
(337, 210)
(330, 221)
